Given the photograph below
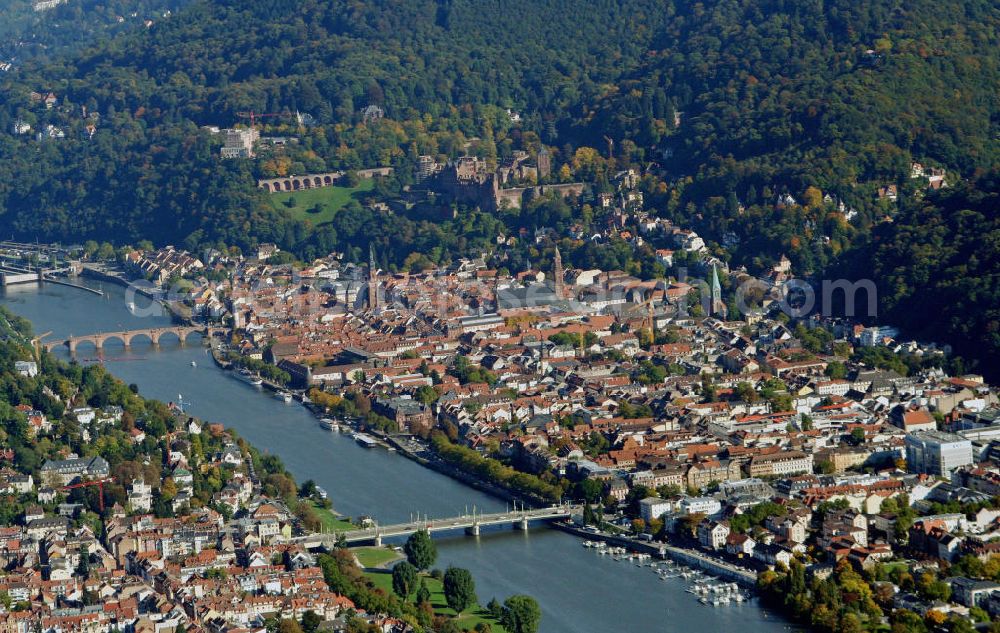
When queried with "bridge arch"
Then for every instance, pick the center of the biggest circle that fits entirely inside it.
(142, 336)
(128, 338)
(101, 341)
(75, 345)
(169, 335)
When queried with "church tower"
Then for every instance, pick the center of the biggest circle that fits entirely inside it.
(718, 307)
(557, 271)
(372, 280)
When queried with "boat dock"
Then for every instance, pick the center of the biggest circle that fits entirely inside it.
(688, 557)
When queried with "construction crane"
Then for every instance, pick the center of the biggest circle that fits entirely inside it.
(96, 482)
(253, 116)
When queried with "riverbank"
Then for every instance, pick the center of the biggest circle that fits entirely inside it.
(439, 466)
(467, 620)
(548, 564)
(68, 284)
(690, 557)
(174, 308)
(376, 557)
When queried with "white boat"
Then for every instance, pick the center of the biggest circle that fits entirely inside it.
(194, 364)
(365, 440)
(328, 424)
(248, 376)
(284, 396)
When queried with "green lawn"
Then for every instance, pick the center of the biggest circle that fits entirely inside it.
(330, 521)
(374, 556)
(469, 618)
(328, 199)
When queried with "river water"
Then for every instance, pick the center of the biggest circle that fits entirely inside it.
(579, 591)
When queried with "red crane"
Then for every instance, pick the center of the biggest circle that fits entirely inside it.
(253, 116)
(97, 482)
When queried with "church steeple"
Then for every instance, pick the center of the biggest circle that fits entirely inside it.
(718, 307)
(557, 272)
(372, 280)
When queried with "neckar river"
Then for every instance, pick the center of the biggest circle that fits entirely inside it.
(579, 591)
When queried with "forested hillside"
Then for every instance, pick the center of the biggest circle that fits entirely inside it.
(148, 171)
(779, 96)
(17, 13)
(768, 125)
(938, 269)
(64, 29)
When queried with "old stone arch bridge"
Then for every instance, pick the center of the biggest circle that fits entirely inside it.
(153, 335)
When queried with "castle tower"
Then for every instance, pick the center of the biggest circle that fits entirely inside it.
(544, 163)
(372, 280)
(557, 272)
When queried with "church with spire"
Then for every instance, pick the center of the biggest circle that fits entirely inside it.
(559, 276)
(718, 306)
(372, 280)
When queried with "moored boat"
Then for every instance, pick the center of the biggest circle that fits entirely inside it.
(249, 377)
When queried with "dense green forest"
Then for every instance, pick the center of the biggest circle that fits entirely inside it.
(149, 171)
(938, 269)
(25, 33)
(781, 96)
(767, 125)
(17, 14)
(770, 96)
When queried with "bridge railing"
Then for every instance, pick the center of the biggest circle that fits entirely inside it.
(459, 521)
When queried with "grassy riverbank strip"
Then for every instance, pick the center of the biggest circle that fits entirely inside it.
(468, 619)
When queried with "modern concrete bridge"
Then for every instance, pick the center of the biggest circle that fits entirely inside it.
(471, 523)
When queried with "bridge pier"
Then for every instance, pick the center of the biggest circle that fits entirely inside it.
(378, 540)
(523, 524)
(472, 530)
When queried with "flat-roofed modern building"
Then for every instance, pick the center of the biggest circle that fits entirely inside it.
(937, 452)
